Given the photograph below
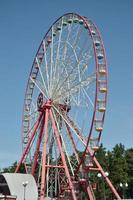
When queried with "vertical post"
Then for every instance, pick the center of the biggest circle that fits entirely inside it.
(24, 185)
(57, 136)
(24, 192)
(38, 146)
(43, 177)
(89, 193)
(29, 143)
(88, 190)
(123, 189)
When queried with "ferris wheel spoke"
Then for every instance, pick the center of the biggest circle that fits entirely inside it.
(65, 79)
(34, 112)
(72, 141)
(76, 130)
(79, 31)
(57, 54)
(73, 127)
(34, 115)
(69, 86)
(38, 86)
(33, 142)
(64, 50)
(44, 84)
(85, 65)
(72, 151)
(74, 51)
(65, 119)
(61, 75)
(88, 97)
(51, 61)
(33, 105)
(69, 56)
(46, 64)
(80, 69)
(32, 127)
(66, 64)
(64, 146)
(70, 74)
(69, 28)
(33, 109)
(76, 88)
(53, 67)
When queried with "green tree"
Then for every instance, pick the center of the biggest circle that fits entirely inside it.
(129, 160)
(12, 168)
(119, 164)
(101, 157)
(100, 192)
(118, 167)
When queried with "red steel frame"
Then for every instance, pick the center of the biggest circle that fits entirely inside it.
(44, 118)
(7, 197)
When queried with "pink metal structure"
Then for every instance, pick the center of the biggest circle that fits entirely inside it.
(64, 110)
(5, 197)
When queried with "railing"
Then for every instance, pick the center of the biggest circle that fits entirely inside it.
(7, 197)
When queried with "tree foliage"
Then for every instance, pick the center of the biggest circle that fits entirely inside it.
(118, 163)
(12, 168)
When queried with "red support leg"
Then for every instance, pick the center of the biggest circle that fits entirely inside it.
(57, 136)
(29, 143)
(89, 193)
(38, 146)
(95, 160)
(43, 177)
(74, 146)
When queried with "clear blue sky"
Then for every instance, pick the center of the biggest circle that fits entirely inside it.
(22, 26)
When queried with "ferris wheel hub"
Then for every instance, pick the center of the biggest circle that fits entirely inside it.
(42, 104)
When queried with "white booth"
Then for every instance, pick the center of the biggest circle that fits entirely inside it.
(23, 186)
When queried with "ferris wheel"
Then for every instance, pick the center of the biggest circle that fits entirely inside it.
(64, 109)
